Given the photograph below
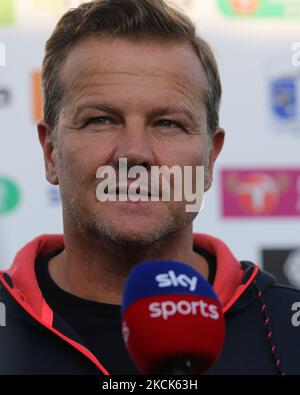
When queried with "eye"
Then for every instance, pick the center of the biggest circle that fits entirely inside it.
(99, 121)
(167, 123)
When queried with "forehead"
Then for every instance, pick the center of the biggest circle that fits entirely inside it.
(119, 60)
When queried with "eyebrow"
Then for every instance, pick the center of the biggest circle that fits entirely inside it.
(159, 111)
(168, 110)
(97, 106)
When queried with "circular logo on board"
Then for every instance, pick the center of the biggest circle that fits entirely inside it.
(9, 195)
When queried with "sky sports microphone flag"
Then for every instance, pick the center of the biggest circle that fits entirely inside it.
(171, 315)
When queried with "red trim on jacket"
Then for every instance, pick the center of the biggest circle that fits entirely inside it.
(26, 292)
(22, 271)
(79, 347)
(229, 273)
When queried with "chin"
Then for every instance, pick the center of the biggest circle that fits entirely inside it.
(136, 236)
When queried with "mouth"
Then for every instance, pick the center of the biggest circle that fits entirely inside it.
(124, 190)
(130, 193)
(135, 193)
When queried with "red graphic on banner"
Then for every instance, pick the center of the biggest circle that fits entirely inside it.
(261, 192)
(245, 6)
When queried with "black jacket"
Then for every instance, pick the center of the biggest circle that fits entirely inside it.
(260, 336)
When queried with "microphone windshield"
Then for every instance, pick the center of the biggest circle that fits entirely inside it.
(170, 312)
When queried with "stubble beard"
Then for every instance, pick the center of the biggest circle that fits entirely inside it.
(101, 230)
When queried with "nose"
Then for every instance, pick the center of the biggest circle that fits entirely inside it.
(135, 146)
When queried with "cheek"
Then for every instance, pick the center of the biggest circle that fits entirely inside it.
(73, 169)
(76, 159)
(197, 151)
(180, 147)
(188, 155)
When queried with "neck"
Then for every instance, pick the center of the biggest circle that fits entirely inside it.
(96, 270)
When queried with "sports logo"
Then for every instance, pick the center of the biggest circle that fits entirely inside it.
(261, 192)
(284, 98)
(170, 308)
(170, 279)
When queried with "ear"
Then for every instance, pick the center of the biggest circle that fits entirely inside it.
(46, 141)
(217, 141)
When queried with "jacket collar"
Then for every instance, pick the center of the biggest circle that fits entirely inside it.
(22, 271)
(229, 274)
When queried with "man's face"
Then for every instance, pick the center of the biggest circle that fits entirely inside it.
(143, 101)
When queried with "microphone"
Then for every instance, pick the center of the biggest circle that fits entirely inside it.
(172, 320)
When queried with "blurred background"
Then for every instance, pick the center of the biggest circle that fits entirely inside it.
(254, 205)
